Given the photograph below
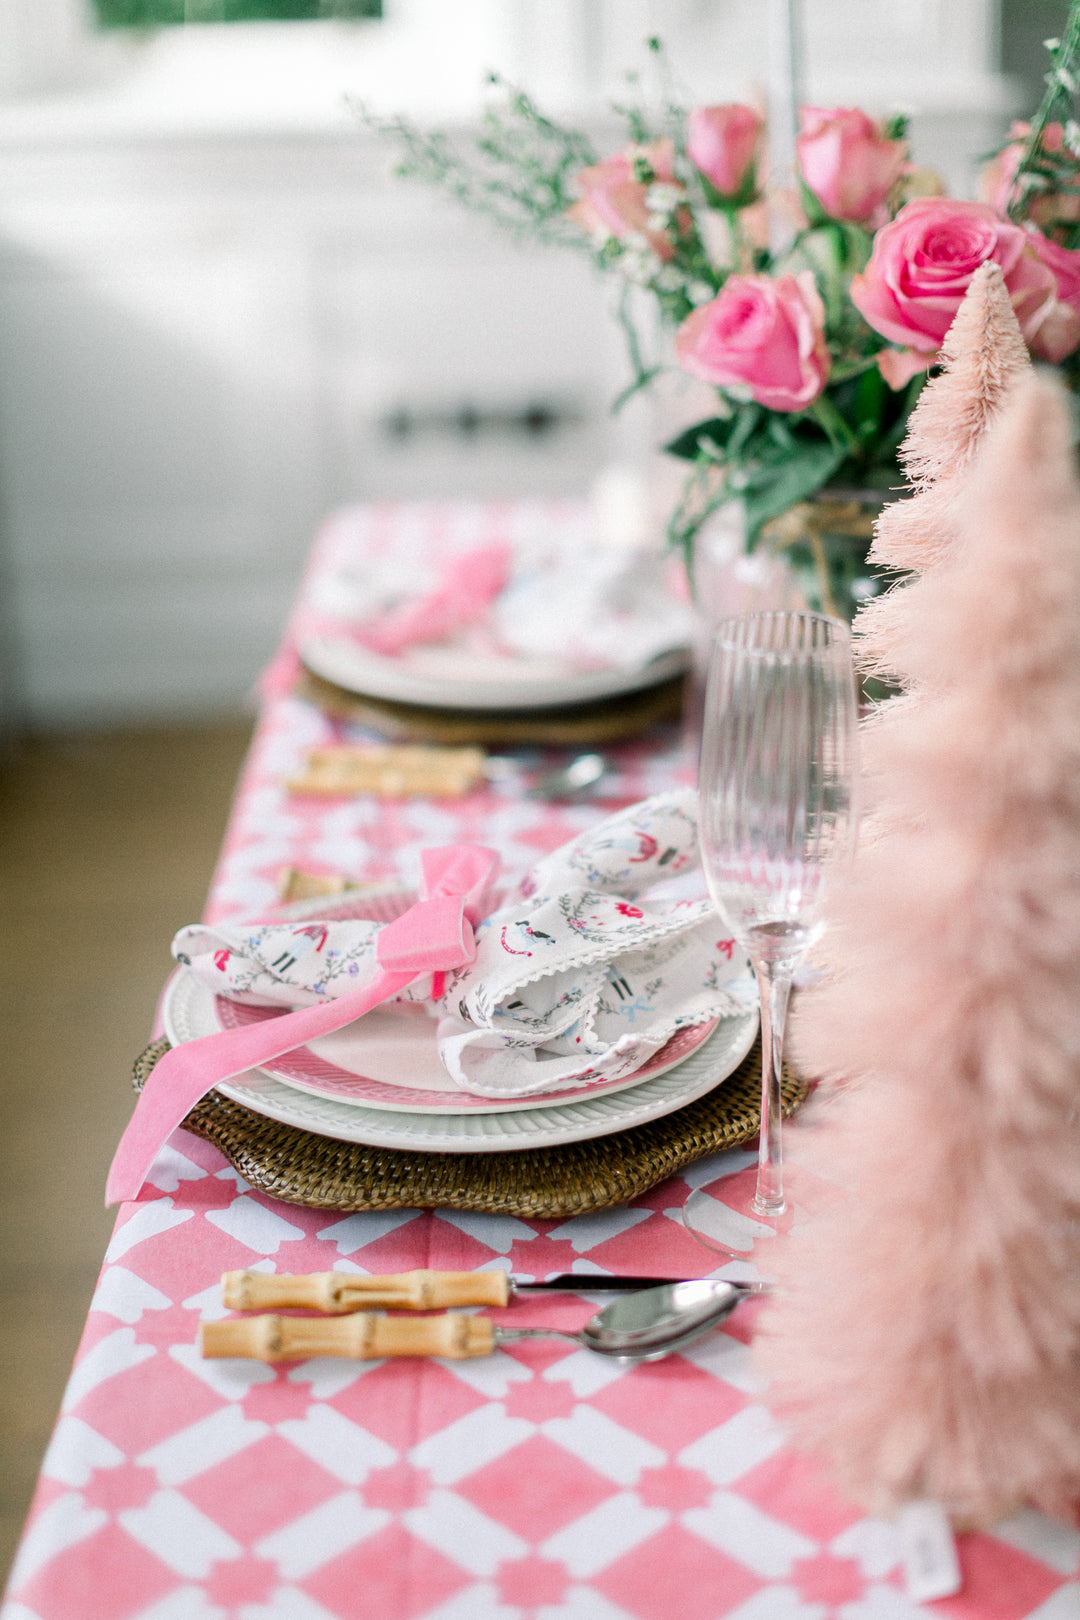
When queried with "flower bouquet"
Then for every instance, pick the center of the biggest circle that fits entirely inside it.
(813, 311)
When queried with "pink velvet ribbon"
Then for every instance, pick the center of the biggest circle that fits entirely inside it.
(469, 585)
(433, 936)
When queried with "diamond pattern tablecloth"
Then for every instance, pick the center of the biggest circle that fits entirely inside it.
(543, 1483)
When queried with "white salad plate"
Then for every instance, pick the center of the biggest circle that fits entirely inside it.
(460, 677)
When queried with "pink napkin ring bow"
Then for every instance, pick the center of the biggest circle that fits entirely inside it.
(434, 936)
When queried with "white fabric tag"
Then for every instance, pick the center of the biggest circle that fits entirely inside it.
(928, 1550)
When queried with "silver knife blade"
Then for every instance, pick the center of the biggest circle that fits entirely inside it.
(576, 1282)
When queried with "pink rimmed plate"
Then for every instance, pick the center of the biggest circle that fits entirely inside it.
(389, 1059)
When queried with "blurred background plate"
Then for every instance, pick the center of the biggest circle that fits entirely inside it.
(458, 678)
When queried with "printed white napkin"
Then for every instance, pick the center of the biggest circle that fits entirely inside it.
(595, 609)
(580, 975)
(581, 606)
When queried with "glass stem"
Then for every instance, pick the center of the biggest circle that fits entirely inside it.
(774, 988)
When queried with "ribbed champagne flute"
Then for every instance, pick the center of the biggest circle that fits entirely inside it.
(777, 821)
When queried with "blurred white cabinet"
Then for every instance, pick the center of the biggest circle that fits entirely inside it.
(203, 346)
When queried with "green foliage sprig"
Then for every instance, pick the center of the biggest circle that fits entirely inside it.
(1040, 169)
(521, 173)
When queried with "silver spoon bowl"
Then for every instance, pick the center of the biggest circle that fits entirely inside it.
(562, 782)
(568, 780)
(652, 1324)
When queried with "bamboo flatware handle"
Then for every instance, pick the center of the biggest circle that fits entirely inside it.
(336, 1293)
(360, 1337)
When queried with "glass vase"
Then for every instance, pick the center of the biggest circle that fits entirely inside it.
(824, 542)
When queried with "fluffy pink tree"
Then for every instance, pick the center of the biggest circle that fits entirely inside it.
(926, 1339)
(983, 356)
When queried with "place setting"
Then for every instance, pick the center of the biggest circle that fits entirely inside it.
(600, 999)
(567, 628)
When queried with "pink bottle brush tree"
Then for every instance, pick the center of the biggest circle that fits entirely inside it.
(926, 1339)
(982, 357)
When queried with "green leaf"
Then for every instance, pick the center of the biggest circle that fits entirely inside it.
(890, 442)
(748, 418)
(747, 193)
(686, 445)
(778, 428)
(812, 207)
(867, 409)
(834, 424)
(858, 245)
(844, 371)
(771, 490)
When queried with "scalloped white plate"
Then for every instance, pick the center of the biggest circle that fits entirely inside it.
(185, 1018)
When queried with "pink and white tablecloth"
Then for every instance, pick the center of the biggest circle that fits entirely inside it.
(543, 1483)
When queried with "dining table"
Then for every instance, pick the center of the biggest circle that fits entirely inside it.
(541, 1482)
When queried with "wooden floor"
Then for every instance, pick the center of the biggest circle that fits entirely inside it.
(107, 845)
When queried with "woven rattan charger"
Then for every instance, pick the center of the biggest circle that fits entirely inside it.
(574, 1178)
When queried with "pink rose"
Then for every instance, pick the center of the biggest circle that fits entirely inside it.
(1058, 333)
(614, 201)
(1044, 208)
(846, 161)
(722, 142)
(766, 335)
(898, 366)
(922, 262)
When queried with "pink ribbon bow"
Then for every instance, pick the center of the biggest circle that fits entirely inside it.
(469, 585)
(433, 936)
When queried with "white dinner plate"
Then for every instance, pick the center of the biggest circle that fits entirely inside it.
(449, 677)
(480, 1132)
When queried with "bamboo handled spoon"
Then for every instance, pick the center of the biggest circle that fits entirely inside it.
(645, 1326)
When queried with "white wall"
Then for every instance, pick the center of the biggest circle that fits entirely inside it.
(211, 295)
(198, 346)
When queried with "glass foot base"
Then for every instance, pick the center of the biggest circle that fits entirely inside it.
(722, 1217)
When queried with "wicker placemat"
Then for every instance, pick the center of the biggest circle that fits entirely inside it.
(573, 1179)
(609, 720)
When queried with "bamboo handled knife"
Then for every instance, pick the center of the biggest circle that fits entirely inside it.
(337, 1293)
